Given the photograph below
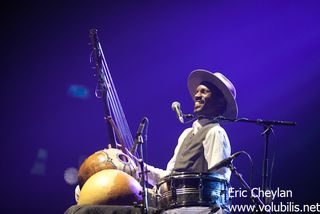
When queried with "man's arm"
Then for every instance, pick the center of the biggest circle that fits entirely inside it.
(217, 148)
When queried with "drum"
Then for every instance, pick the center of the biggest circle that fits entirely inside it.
(192, 189)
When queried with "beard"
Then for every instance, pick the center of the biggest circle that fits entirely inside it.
(199, 106)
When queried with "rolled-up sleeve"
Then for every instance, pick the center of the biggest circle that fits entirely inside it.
(217, 148)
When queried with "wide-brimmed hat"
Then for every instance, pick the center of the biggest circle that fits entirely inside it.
(199, 76)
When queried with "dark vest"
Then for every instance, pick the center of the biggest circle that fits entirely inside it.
(190, 157)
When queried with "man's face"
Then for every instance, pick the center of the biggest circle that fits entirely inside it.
(203, 101)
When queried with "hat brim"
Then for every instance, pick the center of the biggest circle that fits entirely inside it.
(198, 76)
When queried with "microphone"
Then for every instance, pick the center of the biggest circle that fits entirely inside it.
(225, 162)
(176, 107)
(138, 135)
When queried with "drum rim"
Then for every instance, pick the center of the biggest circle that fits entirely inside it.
(182, 175)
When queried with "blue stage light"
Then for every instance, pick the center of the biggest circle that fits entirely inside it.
(78, 91)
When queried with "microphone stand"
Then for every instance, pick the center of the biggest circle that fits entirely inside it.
(254, 198)
(267, 125)
(144, 193)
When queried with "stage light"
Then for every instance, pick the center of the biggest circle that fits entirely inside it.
(78, 91)
(39, 165)
(71, 176)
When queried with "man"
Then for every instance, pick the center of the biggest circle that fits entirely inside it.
(206, 143)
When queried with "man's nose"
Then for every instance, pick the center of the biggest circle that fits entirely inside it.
(197, 96)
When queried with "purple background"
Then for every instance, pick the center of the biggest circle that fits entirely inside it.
(270, 51)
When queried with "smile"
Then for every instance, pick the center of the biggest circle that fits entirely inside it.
(198, 104)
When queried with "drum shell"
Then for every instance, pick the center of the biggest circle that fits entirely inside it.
(191, 189)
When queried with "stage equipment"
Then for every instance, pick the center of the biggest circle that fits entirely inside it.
(176, 107)
(226, 162)
(267, 126)
(137, 139)
(143, 174)
(192, 189)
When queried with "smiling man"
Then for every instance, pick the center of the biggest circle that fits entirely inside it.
(188, 185)
(202, 146)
